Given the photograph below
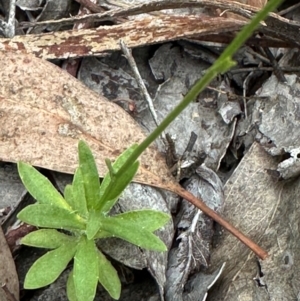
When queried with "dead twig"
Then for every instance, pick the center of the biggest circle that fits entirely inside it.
(127, 53)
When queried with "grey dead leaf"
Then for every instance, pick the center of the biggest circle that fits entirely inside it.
(44, 112)
(266, 211)
(199, 284)
(279, 122)
(52, 10)
(195, 231)
(8, 273)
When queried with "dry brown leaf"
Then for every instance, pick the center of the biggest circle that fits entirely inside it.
(8, 273)
(44, 112)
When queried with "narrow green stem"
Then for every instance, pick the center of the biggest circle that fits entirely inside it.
(222, 64)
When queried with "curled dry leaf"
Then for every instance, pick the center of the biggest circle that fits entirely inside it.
(195, 231)
(44, 112)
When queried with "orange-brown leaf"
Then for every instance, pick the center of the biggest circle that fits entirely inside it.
(44, 112)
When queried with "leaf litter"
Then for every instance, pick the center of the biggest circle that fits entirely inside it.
(277, 263)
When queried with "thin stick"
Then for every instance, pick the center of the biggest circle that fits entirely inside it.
(128, 54)
(245, 85)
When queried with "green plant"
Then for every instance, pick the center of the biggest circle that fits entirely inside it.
(83, 215)
(83, 211)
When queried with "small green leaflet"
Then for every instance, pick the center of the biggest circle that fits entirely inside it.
(129, 232)
(90, 175)
(111, 188)
(78, 192)
(40, 187)
(108, 277)
(47, 238)
(48, 267)
(42, 215)
(93, 224)
(147, 219)
(118, 184)
(71, 293)
(86, 270)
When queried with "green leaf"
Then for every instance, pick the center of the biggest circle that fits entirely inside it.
(86, 270)
(116, 166)
(47, 238)
(71, 292)
(108, 183)
(118, 186)
(48, 267)
(102, 234)
(146, 219)
(79, 199)
(40, 187)
(111, 188)
(68, 195)
(90, 174)
(42, 215)
(135, 235)
(108, 277)
(93, 223)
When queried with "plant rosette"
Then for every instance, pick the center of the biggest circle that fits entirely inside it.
(83, 215)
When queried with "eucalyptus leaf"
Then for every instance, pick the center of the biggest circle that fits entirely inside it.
(135, 235)
(146, 219)
(108, 276)
(48, 267)
(71, 292)
(47, 238)
(93, 223)
(79, 197)
(118, 184)
(40, 187)
(42, 215)
(86, 270)
(90, 174)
